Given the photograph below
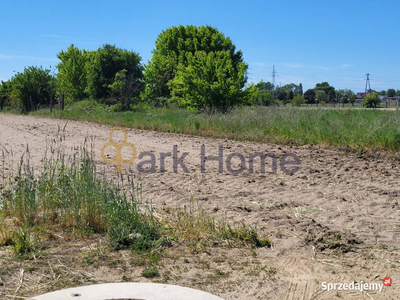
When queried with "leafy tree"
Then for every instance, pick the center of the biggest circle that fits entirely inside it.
(5, 93)
(105, 63)
(349, 93)
(328, 89)
(290, 95)
(299, 89)
(332, 96)
(382, 93)
(265, 86)
(372, 100)
(391, 93)
(321, 96)
(32, 87)
(172, 48)
(72, 72)
(280, 94)
(290, 87)
(352, 99)
(309, 96)
(125, 90)
(255, 96)
(345, 95)
(397, 92)
(298, 100)
(344, 99)
(210, 80)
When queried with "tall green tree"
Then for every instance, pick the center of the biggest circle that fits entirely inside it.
(32, 87)
(328, 89)
(172, 47)
(280, 94)
(349, 93)
(299, 90)
(321, 96)
(309, 96)
(290, 87)
(72, 73)
(390, 93)
(209, 80)
(265, 86)
(290, 95)
(125, 90)
(5, 93)
(105, 63)
(255, 96)
(382, 93)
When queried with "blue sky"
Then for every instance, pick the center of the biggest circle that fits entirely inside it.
(307, 41)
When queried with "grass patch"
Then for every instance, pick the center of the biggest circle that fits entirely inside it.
(200, 230)
(355, 128)
(150, 272)
(68, 195)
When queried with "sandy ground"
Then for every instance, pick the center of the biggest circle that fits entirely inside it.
(335, 220)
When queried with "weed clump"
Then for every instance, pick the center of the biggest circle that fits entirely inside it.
(68, 194)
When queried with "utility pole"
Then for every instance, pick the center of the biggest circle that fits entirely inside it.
(273, 75)
(367, 85)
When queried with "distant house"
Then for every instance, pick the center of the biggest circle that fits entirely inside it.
(392, 99)
(361, 95)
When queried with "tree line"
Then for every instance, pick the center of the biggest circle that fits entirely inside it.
(193, 67)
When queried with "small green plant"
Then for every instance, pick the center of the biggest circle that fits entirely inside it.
(6, 235)
(150, 272)
(23, 241)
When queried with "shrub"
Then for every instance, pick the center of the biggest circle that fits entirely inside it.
(372, 100)
(33, 87)
(298, 100)
(256, 96)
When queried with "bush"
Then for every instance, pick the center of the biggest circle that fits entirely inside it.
(298, 100)
(33, 87)
(255, 96)
(372, 100)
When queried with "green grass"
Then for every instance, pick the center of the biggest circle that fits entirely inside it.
(201, 231)
(354, 128)
(68, 194)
